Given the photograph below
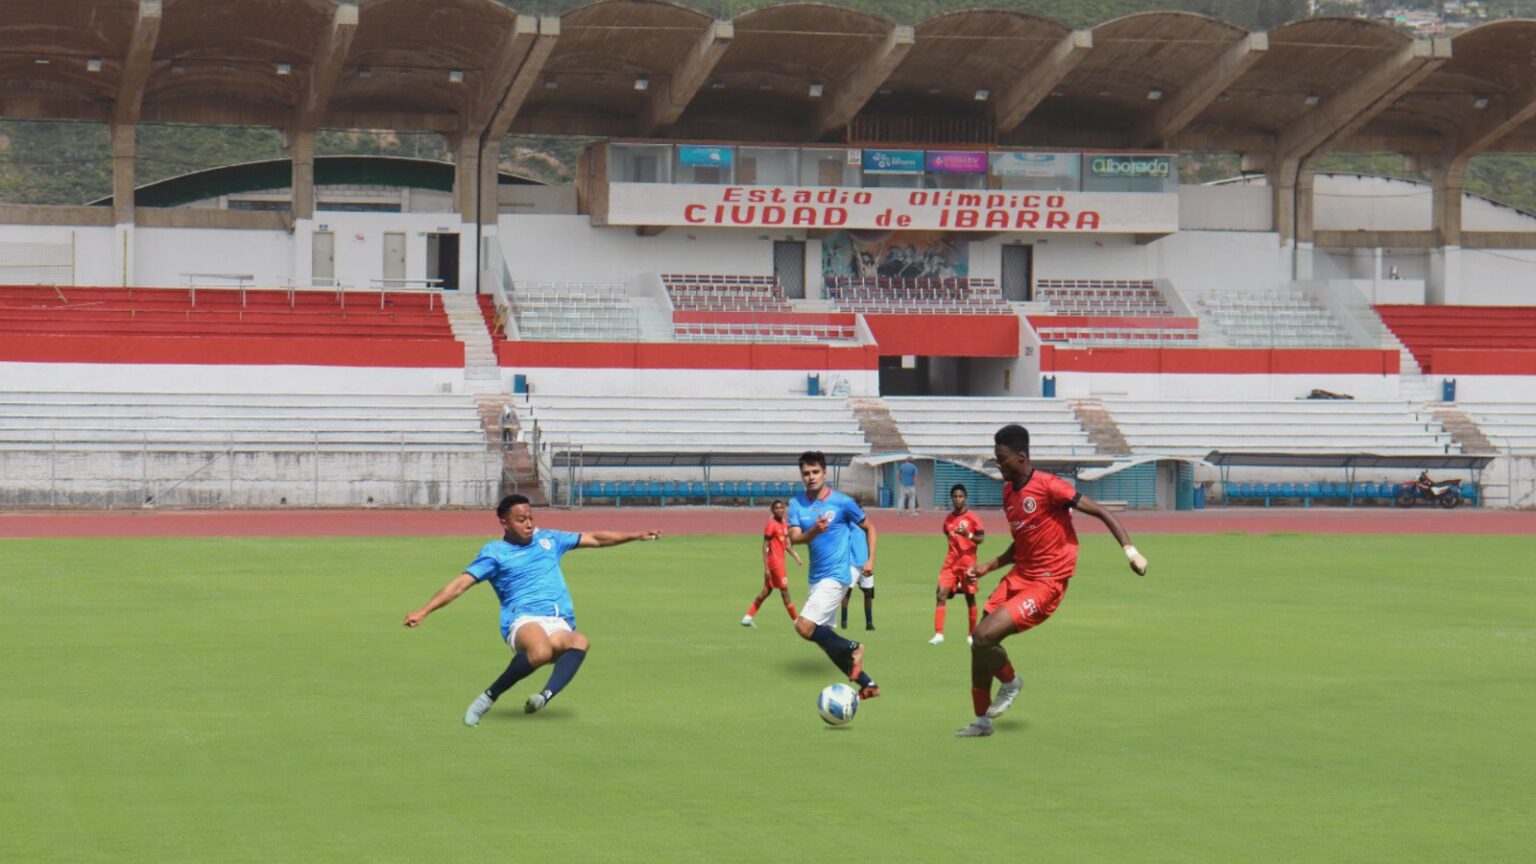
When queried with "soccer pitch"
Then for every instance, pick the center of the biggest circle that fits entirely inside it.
(1280, 698)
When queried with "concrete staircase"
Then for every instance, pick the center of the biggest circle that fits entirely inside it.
(482, 374)
(1101, 427)
(878, 426)
(1463, 429)
(519, 475)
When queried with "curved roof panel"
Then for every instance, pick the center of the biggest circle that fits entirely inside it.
(958, 53)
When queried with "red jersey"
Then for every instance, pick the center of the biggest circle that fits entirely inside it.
(776, 535)
(962, 550)
(1040, 517)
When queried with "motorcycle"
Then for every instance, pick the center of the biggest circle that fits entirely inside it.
(1446, 493)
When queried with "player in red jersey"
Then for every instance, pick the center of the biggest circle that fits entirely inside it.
(964, 531)
(775, 544)
(1043, 554)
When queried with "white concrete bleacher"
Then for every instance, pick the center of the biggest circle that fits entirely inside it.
(1509, 425)
(691, 426)
(111, 449)
(574, 311)
(1272, 319)
(945, 296)
(961, 427)
(725, 292)
(1171, 427)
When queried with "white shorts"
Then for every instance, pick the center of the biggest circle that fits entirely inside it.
(856, 574)
(823, 601)
(550, 623)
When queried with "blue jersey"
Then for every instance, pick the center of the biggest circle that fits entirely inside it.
(527, 579)
(831, 550)
(858, 547)
(908, 472)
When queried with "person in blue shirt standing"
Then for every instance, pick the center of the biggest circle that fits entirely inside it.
(906, 472)
(863, 577)
(823, 519)
(538, 621)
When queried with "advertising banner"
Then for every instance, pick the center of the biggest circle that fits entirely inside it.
(893, 161)
(1129, 165)
(694, 154)
(890, 209)
(956, 162)
(895, 255)
(1036, 164)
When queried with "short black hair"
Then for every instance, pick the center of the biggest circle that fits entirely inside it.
(1014, 437)
(813, 457)
(508, 503)
(775, 502)
(959, 487)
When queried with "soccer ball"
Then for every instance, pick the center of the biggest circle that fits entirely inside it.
(837, 704)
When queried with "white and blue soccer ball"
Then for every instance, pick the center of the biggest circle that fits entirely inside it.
(837, 704)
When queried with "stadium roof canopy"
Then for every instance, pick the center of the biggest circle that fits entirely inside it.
(793, 73)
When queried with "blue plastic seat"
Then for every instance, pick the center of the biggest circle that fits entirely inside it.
(1469, 493)
(626, 490)
(754, 492)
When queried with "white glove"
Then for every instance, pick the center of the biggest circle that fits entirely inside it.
(1138, 561)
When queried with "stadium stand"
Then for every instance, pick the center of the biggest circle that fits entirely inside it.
(1273, 319)
(1112, 298)
(1197, 427)
(901, 296)
(1426, 329)
(962, 427)
(1510, 425)
(183, 312)
(586, 311)
(719, 292)
(244, 449)
(760, 327)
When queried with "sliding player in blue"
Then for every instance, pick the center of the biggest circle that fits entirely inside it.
(823, 518)
(537, 619)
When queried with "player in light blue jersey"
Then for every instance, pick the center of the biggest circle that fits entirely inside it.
(863, 576)
(823, 519)
(537, 618)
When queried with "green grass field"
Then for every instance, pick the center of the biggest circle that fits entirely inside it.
(1284, 698)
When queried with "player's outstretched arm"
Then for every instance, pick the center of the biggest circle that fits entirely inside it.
(600, 539)
(869, 531)
(445, 595)
(1094, 508)
(1002, 560)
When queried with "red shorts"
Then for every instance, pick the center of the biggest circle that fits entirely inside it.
(776, 578)
(1028, 601)
(952, 579)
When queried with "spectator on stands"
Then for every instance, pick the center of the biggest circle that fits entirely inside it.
(907, 473)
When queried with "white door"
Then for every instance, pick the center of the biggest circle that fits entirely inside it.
(323, 266)
(394, 259)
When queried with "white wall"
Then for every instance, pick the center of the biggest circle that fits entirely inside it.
(1492, 388)
(1076, 385)
(162, 256)
(169, 378)
(94, 261)
(1498, 277)
(568, 248)
(1229, 207)
(1200, 261)
(687, 382)
(360, 244)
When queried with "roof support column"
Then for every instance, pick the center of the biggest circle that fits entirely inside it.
(1282, 181)
(1446, 183)
(1032, 89)
(124, 149)
(301, 149)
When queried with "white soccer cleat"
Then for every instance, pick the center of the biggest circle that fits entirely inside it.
(535, 702)
(938, 639)
(477, 710)
(981, 727)
(1006, 693)
(746, 621)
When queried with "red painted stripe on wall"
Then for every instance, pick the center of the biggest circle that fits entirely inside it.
(673, 355)
(1220, 361)
(946, 335)
(1457, 361)
(233, 351)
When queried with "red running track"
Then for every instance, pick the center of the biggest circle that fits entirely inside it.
(723, 520)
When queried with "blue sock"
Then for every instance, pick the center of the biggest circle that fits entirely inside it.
(517, 670)
(565, 670)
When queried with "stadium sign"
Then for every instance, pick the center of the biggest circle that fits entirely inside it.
(651, 204)
(956, 162)
(1116, 165)
(893, 161)
(1030, 164)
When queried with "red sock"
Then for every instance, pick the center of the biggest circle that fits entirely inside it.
(981, 700)
(938, 618)
(792, 613)
(972, 627)
(752, 613)
(1005, 674)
